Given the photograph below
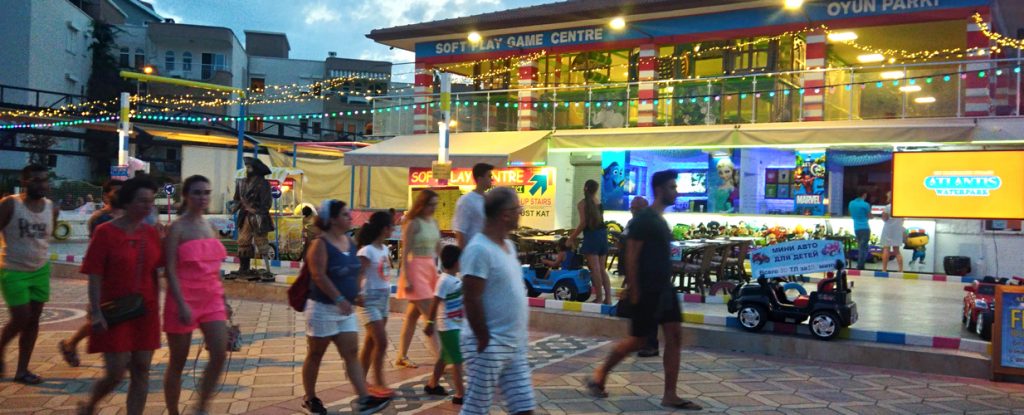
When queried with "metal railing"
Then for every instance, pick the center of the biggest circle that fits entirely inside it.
(919, 90)
(29, 98)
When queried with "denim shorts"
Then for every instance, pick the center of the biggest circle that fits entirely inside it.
(595, 242)
(375, 306)
(324, 320)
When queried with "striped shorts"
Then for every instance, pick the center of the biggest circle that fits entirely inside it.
(499, 365)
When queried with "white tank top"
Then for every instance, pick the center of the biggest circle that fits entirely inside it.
(26, 243)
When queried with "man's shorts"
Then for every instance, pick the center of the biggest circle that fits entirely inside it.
(21, 287)
(451, 351)
(653, 310)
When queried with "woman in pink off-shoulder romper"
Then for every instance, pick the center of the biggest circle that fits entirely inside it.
(195, 296)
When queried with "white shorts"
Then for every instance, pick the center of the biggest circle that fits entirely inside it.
(324, 320)
(499, 365)
(375, 306)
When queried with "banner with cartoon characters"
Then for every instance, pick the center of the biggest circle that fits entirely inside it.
(810, 183)
(614, 183)
(724, 184)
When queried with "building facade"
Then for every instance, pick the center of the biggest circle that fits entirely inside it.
(742, 98)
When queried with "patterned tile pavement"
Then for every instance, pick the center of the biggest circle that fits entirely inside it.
(265, 377)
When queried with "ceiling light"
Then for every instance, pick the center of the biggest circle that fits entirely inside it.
(617, 23)
(842, 36)
(910, 88)
(924, 100)
(873, 57)
(793, 4)
(892, 75)
(474, 37)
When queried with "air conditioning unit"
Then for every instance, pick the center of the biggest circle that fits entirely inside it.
(69, 76)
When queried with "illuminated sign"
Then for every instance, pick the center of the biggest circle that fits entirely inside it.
(958, 184)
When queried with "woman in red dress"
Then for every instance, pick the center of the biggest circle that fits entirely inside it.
(122, 260)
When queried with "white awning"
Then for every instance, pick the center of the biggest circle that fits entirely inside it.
(789, 134)
(465, 149)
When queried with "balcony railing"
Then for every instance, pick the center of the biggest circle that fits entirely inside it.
(923, 90)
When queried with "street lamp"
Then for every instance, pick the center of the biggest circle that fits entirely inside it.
(474, 37)
(619, 23)
(793, 4)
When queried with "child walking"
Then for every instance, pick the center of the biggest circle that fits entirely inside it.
(376, 267)
(449, 291)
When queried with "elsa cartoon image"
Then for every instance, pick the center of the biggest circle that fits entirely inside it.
(725, 195)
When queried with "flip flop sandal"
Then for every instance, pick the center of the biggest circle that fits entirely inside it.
(406, 363)
(70, 355)
(28, 378)
(595, 389)
(684, 405)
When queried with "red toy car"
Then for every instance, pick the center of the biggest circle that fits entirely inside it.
(980, 298)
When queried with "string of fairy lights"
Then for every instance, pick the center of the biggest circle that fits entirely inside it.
(903, 84)
(148, 105)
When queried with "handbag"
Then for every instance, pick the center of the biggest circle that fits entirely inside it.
(298, 292)
(122, 309)
(131, 306)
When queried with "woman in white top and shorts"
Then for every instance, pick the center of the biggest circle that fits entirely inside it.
(892, 236)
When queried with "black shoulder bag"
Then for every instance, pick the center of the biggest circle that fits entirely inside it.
(131, 306)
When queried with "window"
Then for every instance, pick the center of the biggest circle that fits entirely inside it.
(186, 62)
(316, 127)
(303, 126)
(51, 160)
(169, 61)
(257, 84)
(125, 58)
(140, 58)
(71, 39)
(211, 63)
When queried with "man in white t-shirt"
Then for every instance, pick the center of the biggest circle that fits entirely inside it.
(469, 210)
(494, 297)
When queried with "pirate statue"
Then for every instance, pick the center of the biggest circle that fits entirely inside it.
(252, 203)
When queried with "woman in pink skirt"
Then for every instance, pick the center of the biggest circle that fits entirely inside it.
(421, 240)
(195, 296)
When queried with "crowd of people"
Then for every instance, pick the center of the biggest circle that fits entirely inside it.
(474, 312)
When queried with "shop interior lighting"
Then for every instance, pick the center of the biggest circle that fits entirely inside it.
(617, 23)
(870, 57)
(924, 100)
(892, 75)
(842, 36)
(474, 37)
(910, 88)
(793, 4)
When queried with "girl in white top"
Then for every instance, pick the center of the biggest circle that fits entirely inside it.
(376, 268)
(892, 236)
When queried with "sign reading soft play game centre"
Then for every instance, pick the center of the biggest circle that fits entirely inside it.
(535, 186)
(1008, 331)
(795, 258)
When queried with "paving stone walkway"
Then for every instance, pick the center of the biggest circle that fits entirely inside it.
(264, 378)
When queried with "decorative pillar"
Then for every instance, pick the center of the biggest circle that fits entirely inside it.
(527, 95)
(977, 96)
(424, 79)
(647, 65)
(814, 82)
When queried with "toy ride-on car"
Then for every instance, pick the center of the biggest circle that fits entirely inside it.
(828, 309)
(980, 305)
(563, 284)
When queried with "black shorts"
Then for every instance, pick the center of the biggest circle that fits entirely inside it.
(653, 310)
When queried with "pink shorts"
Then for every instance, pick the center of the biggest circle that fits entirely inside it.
(205, 310)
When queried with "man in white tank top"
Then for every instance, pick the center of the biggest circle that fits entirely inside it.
(26, 223)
